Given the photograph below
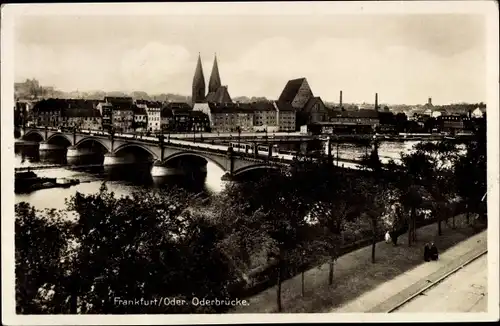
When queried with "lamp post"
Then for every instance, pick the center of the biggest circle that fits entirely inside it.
(239, 136)
(337, 141)
(303, 270)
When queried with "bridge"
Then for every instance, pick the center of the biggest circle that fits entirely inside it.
(167, 154)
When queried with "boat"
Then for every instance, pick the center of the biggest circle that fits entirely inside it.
(28, 181)
(66, 183)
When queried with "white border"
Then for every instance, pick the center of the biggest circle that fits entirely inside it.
(11, 13)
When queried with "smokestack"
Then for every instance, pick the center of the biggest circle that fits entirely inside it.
(376, 101)
(340, 101)
(429, 101)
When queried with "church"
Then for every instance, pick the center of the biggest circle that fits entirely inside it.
(216, 92)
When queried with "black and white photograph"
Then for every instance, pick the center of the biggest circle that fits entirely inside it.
(249, 162)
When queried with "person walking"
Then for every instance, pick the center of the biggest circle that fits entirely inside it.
(387, 237)
(427, 252)
(434, 252)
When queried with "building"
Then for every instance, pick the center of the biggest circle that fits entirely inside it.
(153, 112)
(450, 123)
(122, 113)
(47, 113)
(200, 121)
(478, 113)
(308, 108)
(22, 113)
(81, 114)
(106, 112)
(230, 117)
(361, 121)
(438, 112)
(140, 119)
(285, 116)
(216, 92)
(264, 115)
(180, 117)
(198, 88)
(166, 119)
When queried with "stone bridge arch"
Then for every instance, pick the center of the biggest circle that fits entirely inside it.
(95, 139)
(135, 145)
(34, 133)
(59, 135)
(220, 161)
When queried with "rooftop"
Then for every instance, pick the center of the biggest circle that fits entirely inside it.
(291, 89)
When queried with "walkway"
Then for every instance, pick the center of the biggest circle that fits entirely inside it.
(359, 285)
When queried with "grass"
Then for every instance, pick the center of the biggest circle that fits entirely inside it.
(354, 274)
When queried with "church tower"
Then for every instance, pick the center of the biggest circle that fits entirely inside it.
(198, 94)
(214, 83)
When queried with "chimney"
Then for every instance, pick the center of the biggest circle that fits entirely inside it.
(429, 101)
(376, 101)
(340, 101)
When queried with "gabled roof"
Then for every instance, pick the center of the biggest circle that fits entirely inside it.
(230, 108)
(262, 106)
(220, 96)
(291, 89)
(80, 113)
(284, 106)
(311, 102)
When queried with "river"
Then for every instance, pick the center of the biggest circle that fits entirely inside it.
(125, 181)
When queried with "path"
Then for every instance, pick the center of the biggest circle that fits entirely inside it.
(360, 285)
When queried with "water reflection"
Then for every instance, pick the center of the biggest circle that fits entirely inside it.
(122, 180)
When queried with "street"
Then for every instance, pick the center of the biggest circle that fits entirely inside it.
(464, 291)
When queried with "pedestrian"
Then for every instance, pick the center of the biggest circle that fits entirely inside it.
(387, 237)
(434, 252)
(394, 237)
(427, 252)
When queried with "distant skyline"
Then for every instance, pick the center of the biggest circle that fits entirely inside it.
(404, 58)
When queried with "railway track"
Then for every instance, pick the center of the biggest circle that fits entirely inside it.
(432, 283)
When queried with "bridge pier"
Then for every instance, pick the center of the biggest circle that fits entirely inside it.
(228, 177)
(111, 159)
(77, 152)
(44, 146)
(163, 169)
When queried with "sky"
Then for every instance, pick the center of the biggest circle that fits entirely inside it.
(404, 58)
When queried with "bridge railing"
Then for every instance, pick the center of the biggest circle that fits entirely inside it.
(282, 158)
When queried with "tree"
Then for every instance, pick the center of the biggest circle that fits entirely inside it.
(335, 204)
(439, 182)
(40, 242)
(409, 179)
(148, 245)
(470, 173)
(374, 200)
(272, 211)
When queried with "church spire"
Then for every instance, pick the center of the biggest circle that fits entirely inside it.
(214, 82)
(198, 94)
